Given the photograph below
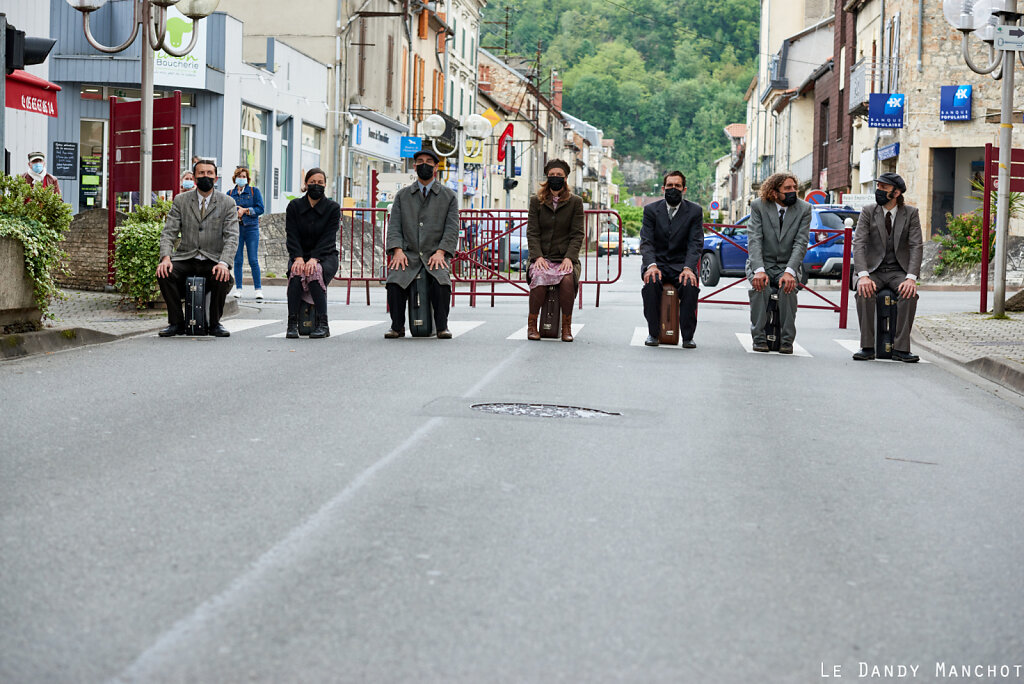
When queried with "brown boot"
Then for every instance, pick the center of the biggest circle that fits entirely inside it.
(567, 328)
(531, 327)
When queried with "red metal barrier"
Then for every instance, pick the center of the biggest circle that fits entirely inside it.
(361, 245)
(844, 291)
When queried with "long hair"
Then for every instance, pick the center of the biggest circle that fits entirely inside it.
(544, 192)
(770, 188)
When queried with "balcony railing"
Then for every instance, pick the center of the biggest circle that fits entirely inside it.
(762, 169)
(803, 169)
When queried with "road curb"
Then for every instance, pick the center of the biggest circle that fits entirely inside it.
(1001, 371)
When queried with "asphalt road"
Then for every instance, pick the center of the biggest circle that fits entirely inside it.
(267, 510)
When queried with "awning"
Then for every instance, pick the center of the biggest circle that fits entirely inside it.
(31, 93)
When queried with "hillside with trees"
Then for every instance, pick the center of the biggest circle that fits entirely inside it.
(661, 78)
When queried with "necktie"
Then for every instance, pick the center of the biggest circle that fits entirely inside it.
(782, 215)
(424, 192)
(202, 208)
(888, 222)
(672, 212)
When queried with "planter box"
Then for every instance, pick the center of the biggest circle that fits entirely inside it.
(17, 301)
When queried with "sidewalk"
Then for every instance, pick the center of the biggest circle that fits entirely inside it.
(993, 349)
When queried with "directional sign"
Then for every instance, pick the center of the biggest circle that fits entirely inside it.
(1009, 38)
(817, 197)
(715, 206)
(507, 133)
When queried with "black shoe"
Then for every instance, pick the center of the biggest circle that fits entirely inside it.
(219, 331)
(172, 331)
(444, 335)
(761, 347)
(905, 357)
(293, 328)
(651, 341)
(689, 344)
(865, 354)
(393, 334)
(785, 349)
(322, 329)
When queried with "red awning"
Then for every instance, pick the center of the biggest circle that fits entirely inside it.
(31, 93)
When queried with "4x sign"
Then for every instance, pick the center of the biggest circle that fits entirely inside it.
(1009, 38)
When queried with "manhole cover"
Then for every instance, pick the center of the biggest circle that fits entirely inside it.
(542, 410)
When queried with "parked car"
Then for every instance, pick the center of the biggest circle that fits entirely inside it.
(722, 258)
(607, 243)
(630, 245)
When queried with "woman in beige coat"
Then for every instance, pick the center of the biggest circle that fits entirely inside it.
(555, 235)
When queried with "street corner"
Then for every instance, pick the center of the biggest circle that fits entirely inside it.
(49, 341)
(990, 347)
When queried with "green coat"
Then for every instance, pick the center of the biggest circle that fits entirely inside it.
(557, 235)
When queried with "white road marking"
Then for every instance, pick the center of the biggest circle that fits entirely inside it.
(747, 342)
(239, 324)
(342, 327)
(640, 335)
(521, 333)
(853, 346)
(462, 327)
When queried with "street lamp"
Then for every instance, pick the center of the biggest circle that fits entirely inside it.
(152, 15)
(471, 133)
(983, 16)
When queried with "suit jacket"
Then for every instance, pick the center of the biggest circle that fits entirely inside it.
(214, 236)
(420, 227)
(556, 234)
(773, 247)
(675, 244)
(870, 238)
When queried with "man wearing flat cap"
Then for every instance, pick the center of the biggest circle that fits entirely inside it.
(37, 172)
(422, 235)
(887, 250)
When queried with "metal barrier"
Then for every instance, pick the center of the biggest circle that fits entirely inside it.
(844, 291)
(488, 256)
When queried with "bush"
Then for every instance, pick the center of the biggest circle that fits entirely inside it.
(137, 252)
(961, 247)
(37, 218)
(632, 218)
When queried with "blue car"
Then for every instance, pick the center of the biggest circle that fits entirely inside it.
(721, 258)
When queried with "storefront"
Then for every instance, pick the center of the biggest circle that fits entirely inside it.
(375, 147)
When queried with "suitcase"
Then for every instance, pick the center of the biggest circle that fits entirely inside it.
(669, 315)
(307, 318)
(550, 325)
(195, 306)
(421, 316)
(773, 325)
(885, 323)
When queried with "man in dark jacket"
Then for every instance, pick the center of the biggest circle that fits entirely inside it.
(422, 234)
(671, 239)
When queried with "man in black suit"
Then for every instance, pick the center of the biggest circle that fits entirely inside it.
(671, 239)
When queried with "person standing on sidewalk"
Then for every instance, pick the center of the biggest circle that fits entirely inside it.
(671, 238)
(37, 172)
(555, 235)
(422, 234)
(887, 251)
(206, 222)
(777, 239)
(249, 203)
(311, 231)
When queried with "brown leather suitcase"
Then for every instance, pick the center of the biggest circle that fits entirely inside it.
(669, 315)
(551, 314)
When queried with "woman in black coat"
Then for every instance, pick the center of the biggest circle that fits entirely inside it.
(311, 228)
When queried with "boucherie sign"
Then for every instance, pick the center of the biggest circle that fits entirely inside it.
(31, 94)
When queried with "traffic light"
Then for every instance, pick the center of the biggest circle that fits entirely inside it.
(20, 50)
(510, 183)
(510, 165)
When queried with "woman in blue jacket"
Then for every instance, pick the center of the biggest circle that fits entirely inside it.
(250, 206)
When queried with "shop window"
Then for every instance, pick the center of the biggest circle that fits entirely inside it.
(311, 139)
(253, 151)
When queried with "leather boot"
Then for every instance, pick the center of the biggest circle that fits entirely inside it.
(531, 327)
(321, 329)
(567, 328)
(293, 328)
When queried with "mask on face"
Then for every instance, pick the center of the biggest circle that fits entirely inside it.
(788, 199)
(882, 198)
(556, 183)
(315, 191)
(673, 196)
(425, 171)
(241, 181)
(37, 168)
(187, 184)
(204, 183)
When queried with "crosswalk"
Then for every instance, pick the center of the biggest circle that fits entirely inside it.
(341, 327)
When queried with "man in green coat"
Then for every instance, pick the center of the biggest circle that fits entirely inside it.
(422, 235)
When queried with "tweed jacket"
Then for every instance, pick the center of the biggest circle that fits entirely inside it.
(870, 238)
(556, 234)
(773, 247)
(420, 227)
(214, 236)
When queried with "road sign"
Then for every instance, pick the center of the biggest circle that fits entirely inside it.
(857, 201)
(1009, 38)
(505, 135)
(715, 206)
(817, 197)
(715, 213)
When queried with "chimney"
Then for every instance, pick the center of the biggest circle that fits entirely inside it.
(556, 92)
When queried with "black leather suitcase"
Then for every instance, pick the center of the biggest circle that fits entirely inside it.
(669, 333)
(773, 325)
(550, 314)
(307, 318)
(195, 306)
(421, 315)
(885, 323)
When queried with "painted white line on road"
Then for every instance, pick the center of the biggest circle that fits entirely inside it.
(462, 327)
(187, 634)
(640, 335)
(521, 333)
(854, 346)
(747, 342)
(235, 325)
(342, 327)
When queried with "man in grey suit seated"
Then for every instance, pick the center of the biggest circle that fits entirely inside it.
(887, 250)
(207, 223)
(777, 237)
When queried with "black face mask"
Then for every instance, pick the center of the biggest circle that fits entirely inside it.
(789, 199)
(315, 191)
(673, 196)
(425, 171)
(204, 183)
(556, 183)
(882, 198)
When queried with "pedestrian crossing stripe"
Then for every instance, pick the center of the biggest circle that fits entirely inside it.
(235, 325)
(456, 328)
(640, 336)
(340, 327)
(747, 342)
(521, 333)
(853, 346)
